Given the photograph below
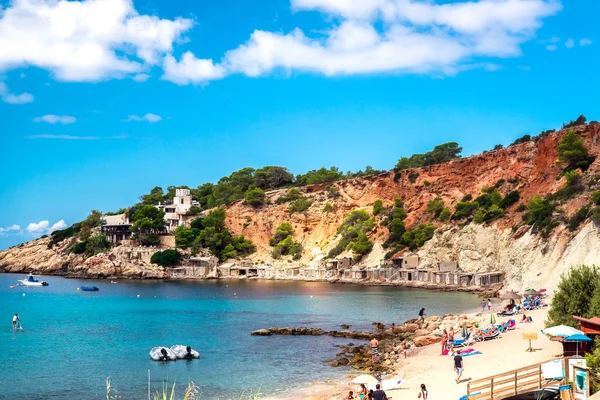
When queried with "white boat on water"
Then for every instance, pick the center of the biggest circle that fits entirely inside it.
(32, 281)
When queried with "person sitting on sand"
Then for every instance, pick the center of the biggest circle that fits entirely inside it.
(370, 395)
(363, 392)
(350, 396)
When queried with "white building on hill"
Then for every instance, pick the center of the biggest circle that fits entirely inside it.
(175, 212)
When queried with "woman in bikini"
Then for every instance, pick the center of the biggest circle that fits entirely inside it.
(444, 341)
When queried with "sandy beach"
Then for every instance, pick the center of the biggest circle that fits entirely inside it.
(426, 365)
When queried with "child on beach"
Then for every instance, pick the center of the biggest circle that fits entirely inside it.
(483, 305)
(350, 396)
(489, 305)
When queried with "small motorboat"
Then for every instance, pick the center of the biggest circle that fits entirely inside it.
(162, 354)
(32, 281)
(185, 352)
(89, 288)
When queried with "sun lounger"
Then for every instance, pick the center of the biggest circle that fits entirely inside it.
(463, 342)
(483, 338)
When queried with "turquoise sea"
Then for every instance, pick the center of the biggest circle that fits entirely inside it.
(72, 340)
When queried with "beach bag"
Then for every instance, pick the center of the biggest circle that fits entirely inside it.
(445, 352)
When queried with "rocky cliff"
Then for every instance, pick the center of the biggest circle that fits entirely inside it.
(532, 168)
(527, 259)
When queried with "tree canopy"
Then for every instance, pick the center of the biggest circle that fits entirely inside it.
(573, 153)
(578, 294)
(283, 243)
(209, 232)
(440, 154)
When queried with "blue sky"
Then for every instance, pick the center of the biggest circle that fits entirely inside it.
(103, 100)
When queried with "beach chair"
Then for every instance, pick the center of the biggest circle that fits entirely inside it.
(463, 342)
(484, 338)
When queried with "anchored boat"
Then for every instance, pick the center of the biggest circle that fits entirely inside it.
(89, 288)
(32, 281)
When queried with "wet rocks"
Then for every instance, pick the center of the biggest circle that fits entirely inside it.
(261, 332)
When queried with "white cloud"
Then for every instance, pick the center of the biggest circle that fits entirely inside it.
(585, 42)
(56, 119)
(85, 40)
(141, 77)
(551, 47)
(569, 43)
(44, 228)
(400, 36)
(152, 118)
(12, 98)
(191, 70)
(9, 230)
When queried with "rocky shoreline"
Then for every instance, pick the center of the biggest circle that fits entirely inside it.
(394, 345)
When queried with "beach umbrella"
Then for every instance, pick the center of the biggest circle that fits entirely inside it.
(561, 330)
(578, 338)
(533, 292)
(510, 296)
(366, 379)
(464, 330)
(492, 318)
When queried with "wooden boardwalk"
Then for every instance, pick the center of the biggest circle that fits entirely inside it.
(513, 382)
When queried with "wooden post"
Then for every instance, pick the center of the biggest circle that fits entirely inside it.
(492, 388)
(516, 382)
(540, 376)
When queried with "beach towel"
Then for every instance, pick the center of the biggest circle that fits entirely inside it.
(472, 353)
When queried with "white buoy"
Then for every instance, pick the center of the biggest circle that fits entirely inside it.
(138, 296)
(235, 294)
(23, 294)
(311, 297)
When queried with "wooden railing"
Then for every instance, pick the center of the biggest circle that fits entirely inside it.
(511, 383)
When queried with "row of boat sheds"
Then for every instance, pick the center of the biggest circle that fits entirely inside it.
(406, 268)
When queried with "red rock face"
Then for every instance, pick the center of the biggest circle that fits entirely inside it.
(531, 168)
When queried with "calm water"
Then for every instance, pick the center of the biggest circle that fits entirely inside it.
(73, 341)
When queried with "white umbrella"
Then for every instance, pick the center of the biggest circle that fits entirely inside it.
(366, 379)
(561, 330)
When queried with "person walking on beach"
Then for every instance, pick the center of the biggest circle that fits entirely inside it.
(423, 393)
(444, 342)
(422, 315)
(379, 394)
(458, 366)
(16, 322)
(374, 348)
(483, 305)
(489, 305)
